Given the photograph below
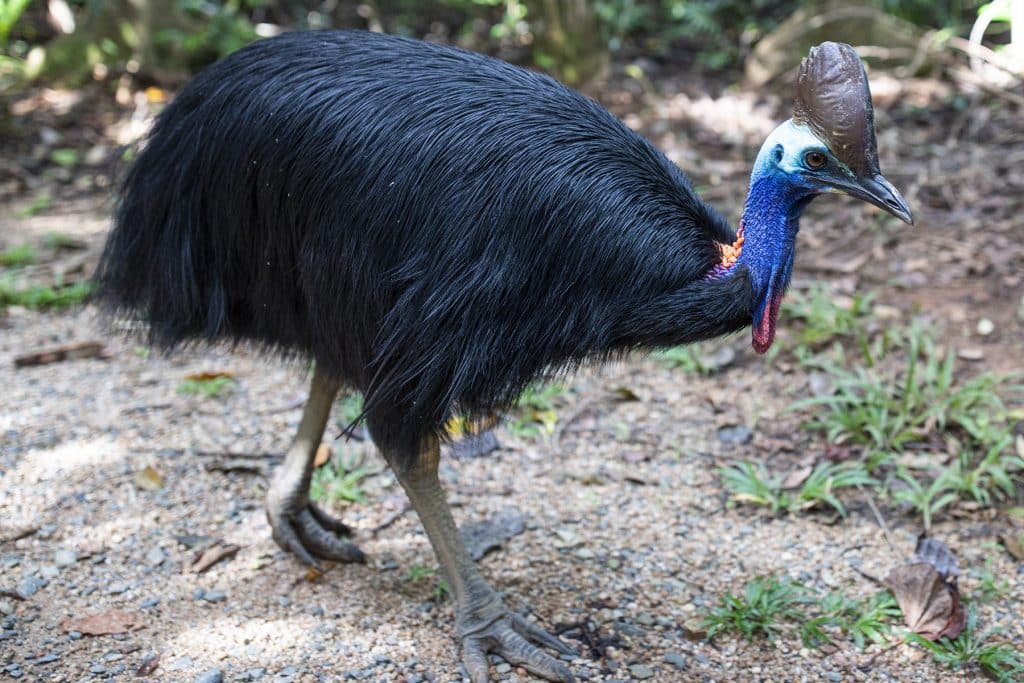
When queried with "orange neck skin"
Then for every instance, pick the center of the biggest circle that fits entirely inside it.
(730, 255)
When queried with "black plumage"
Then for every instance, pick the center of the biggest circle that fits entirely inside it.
(435, 227)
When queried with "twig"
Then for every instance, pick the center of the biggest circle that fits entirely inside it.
(878, 518)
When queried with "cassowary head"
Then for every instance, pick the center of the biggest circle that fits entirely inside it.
(827, 146)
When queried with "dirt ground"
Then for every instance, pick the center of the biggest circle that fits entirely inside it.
(111, 480)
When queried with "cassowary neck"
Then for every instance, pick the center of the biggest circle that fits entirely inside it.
(766, 242)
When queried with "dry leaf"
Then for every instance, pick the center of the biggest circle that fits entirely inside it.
(930, 606)
(212, 555)
(797, 477)
(1014, 544)
(207, 376)
(323, 454)
(107, 623)
(148, 479)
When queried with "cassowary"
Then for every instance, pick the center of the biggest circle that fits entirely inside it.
(437, 229)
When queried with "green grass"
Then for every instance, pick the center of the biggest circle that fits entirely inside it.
(58, 240)
(341, 479)
(351, 409)
(769, 606)
(37, 297)
(686, 358)
(762, 609)
(214, 386)
(819, 318)
(884, 412)
(18, 255)
(41, 202)
(536, 411)
(976, 651)
(756, 486)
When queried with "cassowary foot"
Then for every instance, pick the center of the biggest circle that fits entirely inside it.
(302, 528)
(515, 639)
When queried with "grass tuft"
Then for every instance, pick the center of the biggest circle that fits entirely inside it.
(37, 297)
(17, 256)
(971, 650)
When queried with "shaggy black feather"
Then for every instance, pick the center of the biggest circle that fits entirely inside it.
(436, 227)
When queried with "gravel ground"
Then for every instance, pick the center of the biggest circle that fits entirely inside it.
(625, 527)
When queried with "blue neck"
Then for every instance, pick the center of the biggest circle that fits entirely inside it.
(771, 220)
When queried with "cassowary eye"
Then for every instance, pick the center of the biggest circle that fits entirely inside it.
(815, 160)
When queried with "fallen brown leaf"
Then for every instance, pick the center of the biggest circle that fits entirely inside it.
(106, 623)
(207, 376)
(149, 479)
(1014, 544)
(212, 555)
(927, 593)
(797, 477)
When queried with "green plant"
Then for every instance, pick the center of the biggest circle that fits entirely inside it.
(990, 586)
(766, 602)
(19, 255)
(351, 409)
(999, 660)
(41, 202)
(37, 297)
(756, 485)
(341, 479)
(10, 12)
(865, 620)
(535, 411)
(992, 477)
(418, 572)
(57, 240)
(212, 386)
(686, 358)
(821, 319)
(885, 412)
(927, 500)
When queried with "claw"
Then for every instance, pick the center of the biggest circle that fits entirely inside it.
(509, 637)
(312, 535)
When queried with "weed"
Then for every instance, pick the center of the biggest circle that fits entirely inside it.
(821, 318)
(16, 256)
(925, 499)
(755, 485)
(351, 409)
(36, 297)
(418, 572)
(213, 386)
(863, 620)
(685, 358)
(58, 240)
(535, 410)
(65, 157)
(992, 477)
(340, 479)
(884, 414)
(999, 660)
(41, 202)
(762, 609)
(990, 586)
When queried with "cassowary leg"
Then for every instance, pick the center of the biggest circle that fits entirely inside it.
(298, 525)
(482, 621)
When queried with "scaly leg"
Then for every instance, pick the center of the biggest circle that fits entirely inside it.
(298, 525)
(482, 621)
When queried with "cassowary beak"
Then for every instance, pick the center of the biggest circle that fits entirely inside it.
(878, 191)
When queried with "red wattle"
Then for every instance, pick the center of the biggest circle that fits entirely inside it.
(764, 331)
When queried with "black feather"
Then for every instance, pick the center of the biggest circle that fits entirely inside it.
(436, 227)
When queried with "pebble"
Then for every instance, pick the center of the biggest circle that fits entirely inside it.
(30, 585)
(6, 608)
(641, 671)
(675, 659)
(155, 557)
(215, 596)
(210, 676)
(49, 571)
(152, 601)
(503, 668)
(179, 664)
(986, 327)
(117, 587)
(735, 435)
(65, 557)
(253, 674)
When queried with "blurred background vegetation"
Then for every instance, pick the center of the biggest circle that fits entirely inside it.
(164, 41)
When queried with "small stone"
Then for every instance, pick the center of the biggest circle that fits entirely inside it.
(641, 671)
(694, 629)
(49, 571)
(645, 619)
(834, 676)
(584, 553)
(198, 594)
(986, 327)
(6, 608)
(972, 354)
(254, 674)
(215, 596)
(209, 676)
(149, 602)
(676, 659)
(65, 557)
(155, 557)
(118, 587)
(30, 585)
(97, 669)
(180, 664)
(735, 435)
(503, 668)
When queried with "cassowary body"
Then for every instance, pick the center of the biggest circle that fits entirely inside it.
(436, 229)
